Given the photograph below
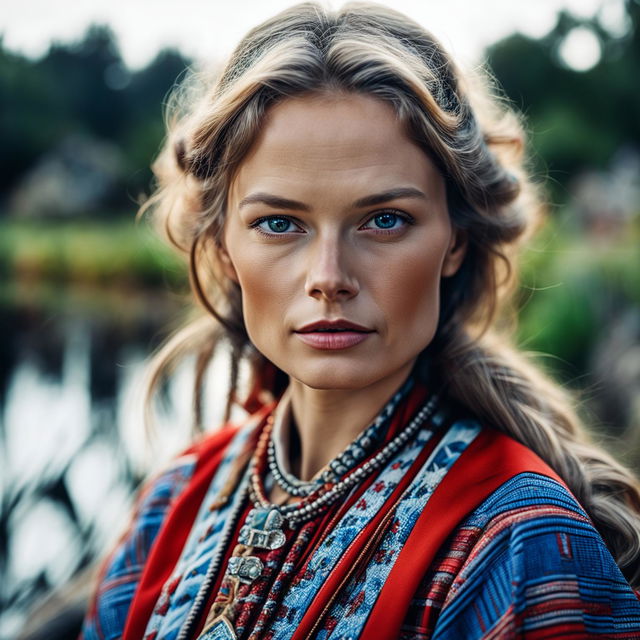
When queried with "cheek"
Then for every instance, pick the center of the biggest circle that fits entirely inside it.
(264, 288)
(409, 292)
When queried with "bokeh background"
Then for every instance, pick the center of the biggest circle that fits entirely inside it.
(86, 295)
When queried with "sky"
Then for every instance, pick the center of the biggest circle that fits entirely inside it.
(208, 30)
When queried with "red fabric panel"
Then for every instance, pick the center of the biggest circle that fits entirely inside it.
(487, 463)
(173, 533)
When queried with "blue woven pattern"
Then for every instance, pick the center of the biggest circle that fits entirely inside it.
(526, 564)
(123, 568)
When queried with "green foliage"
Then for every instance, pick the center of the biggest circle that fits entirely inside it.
(83, 87)
(101, 254)
(577, 119)
(32, 116)
(571, 286)
(78, 73)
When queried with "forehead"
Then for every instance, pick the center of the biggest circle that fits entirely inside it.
(344, 140)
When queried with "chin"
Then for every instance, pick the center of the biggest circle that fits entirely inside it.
(333, 385)
(337, 378)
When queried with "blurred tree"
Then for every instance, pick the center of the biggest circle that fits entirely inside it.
(83, 88)
(578, 119)
(80, 72)
(144, 128)
(32, 114)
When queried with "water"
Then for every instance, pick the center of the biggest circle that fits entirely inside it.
(73, 441)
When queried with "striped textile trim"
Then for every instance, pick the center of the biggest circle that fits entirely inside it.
(527, 563)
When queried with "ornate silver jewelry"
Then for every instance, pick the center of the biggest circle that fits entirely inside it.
(343, 462)
(307, 509)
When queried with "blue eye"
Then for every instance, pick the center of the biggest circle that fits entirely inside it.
(278, 225)
(275, 225)
(383, 222)
(387, 221)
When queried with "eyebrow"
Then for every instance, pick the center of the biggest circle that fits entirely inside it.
(368, 201)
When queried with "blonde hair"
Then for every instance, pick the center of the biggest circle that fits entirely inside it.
(476, 142)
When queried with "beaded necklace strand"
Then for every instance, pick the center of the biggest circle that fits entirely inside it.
(313, 504)
(344, 462)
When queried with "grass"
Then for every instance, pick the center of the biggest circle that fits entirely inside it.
(99, 253)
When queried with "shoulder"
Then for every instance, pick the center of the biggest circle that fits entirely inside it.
(526, 496)
(534, 560)
(533, 525)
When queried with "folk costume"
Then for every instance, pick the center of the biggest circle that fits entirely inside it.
(428, 526)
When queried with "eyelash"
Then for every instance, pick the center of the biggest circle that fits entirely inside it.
(407, 219)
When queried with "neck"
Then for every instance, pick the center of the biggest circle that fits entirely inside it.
(327, 420)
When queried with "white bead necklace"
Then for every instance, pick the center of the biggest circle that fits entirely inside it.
(344, 462)
(298, 513)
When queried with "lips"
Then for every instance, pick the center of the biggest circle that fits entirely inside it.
(331, 335)
(333, 326)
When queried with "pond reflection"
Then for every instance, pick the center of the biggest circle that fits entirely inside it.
(73, 442)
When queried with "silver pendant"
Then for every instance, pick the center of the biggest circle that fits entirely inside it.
(245, 568)
(263, 529)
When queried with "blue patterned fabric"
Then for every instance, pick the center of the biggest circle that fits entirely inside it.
(447, 451)
(181, 589)
(527, 563)
(125, 564)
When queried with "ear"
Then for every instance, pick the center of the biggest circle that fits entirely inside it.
(228, 268)
(455, 253)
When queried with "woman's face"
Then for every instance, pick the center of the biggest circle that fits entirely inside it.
(336, 219)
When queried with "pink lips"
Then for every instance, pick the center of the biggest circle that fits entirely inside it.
(341, 340)
(333, 334)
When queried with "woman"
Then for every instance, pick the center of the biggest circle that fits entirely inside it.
(351, 207)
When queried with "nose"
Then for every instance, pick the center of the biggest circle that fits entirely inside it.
(328, 274)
